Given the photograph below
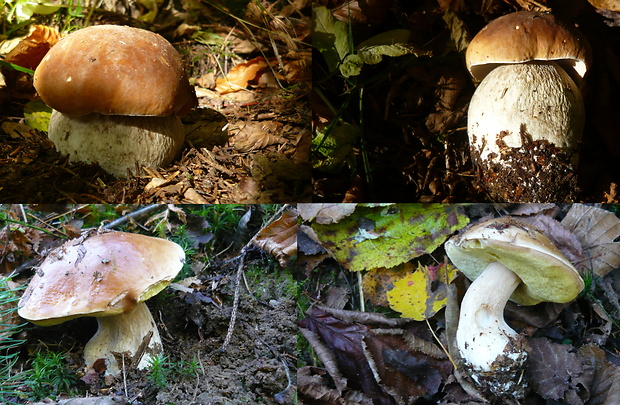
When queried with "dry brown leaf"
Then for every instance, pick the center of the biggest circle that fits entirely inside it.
(249, 136)
(325, 213)
(605, 387)
(597, 230)
(240, 75)
(30, 51)
(280, 237)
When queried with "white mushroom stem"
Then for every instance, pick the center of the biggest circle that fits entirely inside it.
(124, 333)
(483, 335)
(116, 142)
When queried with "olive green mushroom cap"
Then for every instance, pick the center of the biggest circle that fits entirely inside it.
(100, 274)
(546, 274)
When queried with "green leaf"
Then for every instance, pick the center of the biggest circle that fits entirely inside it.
(330, 36)
(16, 67)
(337, 148)
(37, 115)
(374, 54)
(387, 236)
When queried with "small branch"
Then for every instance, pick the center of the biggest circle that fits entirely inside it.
(132, 215)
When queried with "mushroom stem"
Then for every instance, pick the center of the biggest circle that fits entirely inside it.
(483, 336)
(124, 334)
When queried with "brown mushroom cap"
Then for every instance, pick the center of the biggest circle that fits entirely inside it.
(105, 274)
(114, 70)
(546, 274)
(528, 36)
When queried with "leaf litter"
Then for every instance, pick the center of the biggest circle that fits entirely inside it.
(573, 347)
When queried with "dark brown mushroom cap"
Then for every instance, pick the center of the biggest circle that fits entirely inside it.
(114, 70)
(104, 274)
(528, 36)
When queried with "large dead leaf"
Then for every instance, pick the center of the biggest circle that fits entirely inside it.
(422, 293)
(30, 50)
(256, 71)
(598, 231)
(388, 235)
(391, 366)
(280, 237)
(605, 388)
(325, 213)
(556, 373)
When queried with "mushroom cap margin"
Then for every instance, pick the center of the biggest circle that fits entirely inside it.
(546, 274)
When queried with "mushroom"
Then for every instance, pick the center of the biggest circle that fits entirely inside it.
(526, 117)
(117, 93)
(106, 275)
(506, 259)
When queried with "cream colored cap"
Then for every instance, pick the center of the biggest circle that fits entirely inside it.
(104, 274)
(528, 36)
(114, 70)
(546, 274)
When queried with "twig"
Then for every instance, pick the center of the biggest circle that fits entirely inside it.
(233, 316)
(142, 211)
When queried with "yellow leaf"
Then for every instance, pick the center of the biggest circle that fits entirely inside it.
(377, 282)
(421, 294)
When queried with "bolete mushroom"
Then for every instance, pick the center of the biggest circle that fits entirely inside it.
(506, 259)
(526, 117)
(106, 275)
(117, 93)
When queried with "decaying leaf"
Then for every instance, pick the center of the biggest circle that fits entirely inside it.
(377, 282)
(422, 293)
(325, 213)
(605, 388)
(249, 136)
(30, 50)
(280, 237)
(598, 231)
(391, 366)
(241, 75)
(556, 373)
(386, 236)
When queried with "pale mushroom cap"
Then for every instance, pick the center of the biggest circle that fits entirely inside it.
(105, 274)
(546, 274)
(114, 70)
(528, 36)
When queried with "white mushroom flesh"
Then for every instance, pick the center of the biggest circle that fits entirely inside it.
(483, 335)
(538, 99)
(132, 335)
(117, 143)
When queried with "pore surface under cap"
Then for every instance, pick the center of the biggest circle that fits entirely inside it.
(114, 70)
(103, 274)
(545, 272)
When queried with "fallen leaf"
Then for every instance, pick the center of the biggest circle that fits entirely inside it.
(30, 50)
(280, 237)
(557, 373)
(605, 387)
(598, 231)
(324, 213)
(377, 282)
(422, 293)
(386, 236)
